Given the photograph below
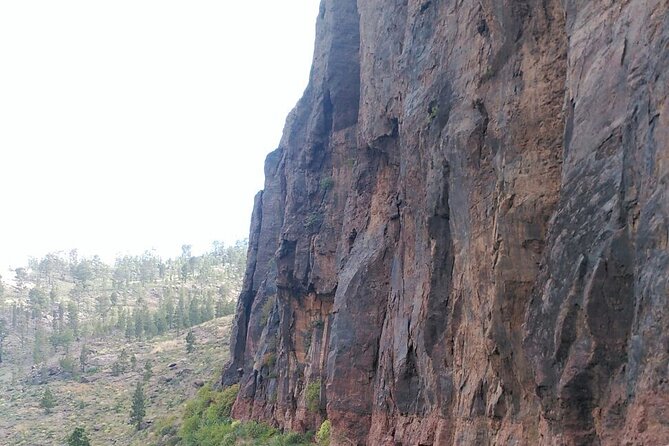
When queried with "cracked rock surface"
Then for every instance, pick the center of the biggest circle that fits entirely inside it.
(464, 234)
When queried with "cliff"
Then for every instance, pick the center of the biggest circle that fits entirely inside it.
(463, 236)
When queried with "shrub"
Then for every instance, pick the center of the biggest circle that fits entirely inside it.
(166, 426)
(293, 439)
(266, 310)
(189, 430)
(323, 434)
(206, 411)
(196, 406)
(313, 396)
(67, 364)
(257, 431)
(313, 221)
(327, 183)
(207, 423)
(269, 359)
(432, 112)
(226, 400)
(306, 341)
(117, 369)
(48, 401)
(214, 434)
(78, 438)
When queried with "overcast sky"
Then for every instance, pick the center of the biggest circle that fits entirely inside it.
(128, 125)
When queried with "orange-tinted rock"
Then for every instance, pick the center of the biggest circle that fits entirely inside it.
(463, 237)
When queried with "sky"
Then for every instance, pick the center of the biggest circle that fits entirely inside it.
(132, 125)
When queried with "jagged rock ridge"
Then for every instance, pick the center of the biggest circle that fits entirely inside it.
(463, 236)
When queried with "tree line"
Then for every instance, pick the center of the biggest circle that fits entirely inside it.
(64, 298)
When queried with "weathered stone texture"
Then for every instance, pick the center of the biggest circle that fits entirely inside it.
(463, 237)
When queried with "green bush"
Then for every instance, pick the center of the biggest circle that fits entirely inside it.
(327, 183)
(207, 423)
(48, 401)
(313, 221)
(432, 112)
(257, 431)
(313, 396)
(226, 401)
(323, 434)
(306, 341)
(292, 439)
(266, 310)
(78, 438)
(67, 364)
(166, 426)
(208, 416)
(189, 430)
(214, 434)
(269, 359)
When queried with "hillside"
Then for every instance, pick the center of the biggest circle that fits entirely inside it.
(463, 234)
(101, 402)
(85, 330)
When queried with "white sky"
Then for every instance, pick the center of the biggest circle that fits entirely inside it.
(128, 125)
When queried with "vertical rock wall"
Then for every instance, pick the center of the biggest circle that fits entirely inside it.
(463, 236)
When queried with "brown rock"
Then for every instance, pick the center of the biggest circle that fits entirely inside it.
(464, 233)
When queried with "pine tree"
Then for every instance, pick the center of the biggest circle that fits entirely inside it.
(48, 401)
(139, 324)
(190, 341)
(39, 348)
(148, 325)
(120, 322)
(61, 316)
(129, 328)
(194, 312)
(83, 357)
(180, 315)
(159, 321)
(148, 371)
(207, 310)
(123, 360)
(78, 438)
(169, 312)
(138, 408)
(219, 307)
(54, 322)
(4, 332)
(73, 317)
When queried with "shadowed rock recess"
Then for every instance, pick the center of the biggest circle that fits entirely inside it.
(463, 236)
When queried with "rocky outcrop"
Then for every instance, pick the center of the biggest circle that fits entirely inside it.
(463, 237)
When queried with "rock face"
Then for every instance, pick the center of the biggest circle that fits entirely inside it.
(463, 236)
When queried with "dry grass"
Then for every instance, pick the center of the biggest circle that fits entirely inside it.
(102, 405)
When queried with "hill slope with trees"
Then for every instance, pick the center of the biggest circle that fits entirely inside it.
(86, 333)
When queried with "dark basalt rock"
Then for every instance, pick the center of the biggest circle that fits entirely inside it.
(464, 233)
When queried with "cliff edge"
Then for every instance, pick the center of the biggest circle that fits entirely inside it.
(463, 236)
